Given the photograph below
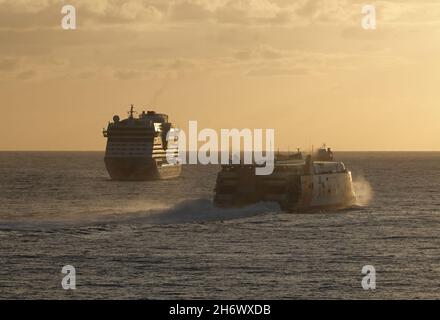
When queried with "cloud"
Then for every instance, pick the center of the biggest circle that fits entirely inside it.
(189, 11)
(180, 64)
(26, 75)
(27, 6)
(21, 14)
(272, 72)
(8, 64)
(247, 12)
(116, 12)
(43, 14)
(308, 9)
(135, 39)
(356, 33)
(129, 74)
(239, 12)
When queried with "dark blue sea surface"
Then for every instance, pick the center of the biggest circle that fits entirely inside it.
(165, 239)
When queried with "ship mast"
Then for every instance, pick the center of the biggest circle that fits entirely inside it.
(131, 111)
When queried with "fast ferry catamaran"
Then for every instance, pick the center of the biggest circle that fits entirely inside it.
(296, 183)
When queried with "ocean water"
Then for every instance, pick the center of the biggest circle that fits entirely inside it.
(164, 239)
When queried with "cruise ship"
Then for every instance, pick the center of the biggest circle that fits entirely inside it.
(137, 147)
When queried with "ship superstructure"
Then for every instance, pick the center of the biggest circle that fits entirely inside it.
(137, 147)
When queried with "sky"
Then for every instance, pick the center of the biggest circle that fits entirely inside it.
(305, 68)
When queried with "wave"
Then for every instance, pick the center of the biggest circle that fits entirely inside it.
(201, 210)
(187, 211)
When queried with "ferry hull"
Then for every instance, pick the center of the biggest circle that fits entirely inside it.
(139, 169)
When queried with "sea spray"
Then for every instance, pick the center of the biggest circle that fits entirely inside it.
(196, 210)
(364, 191)
(201, 210)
